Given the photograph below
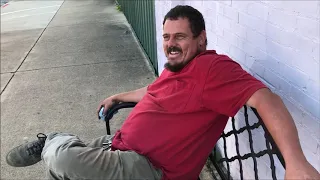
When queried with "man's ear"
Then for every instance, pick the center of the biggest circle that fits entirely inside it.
(203, 37)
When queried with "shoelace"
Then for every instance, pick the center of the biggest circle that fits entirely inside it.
(37, 146)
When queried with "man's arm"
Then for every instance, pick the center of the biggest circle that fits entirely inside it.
(131, 96)
(284, 132)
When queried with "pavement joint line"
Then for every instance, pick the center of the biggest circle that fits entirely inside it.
(7, 72)
(30, 9)
(27, 16)
(75, 65)
(38, 38)
(7, 83)
(31, 48)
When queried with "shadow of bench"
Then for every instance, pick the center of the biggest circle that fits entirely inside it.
(220, 159)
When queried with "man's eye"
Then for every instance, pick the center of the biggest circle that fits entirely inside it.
(166, 38)
(179, 37)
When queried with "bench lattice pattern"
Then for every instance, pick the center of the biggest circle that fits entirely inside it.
(271, 149)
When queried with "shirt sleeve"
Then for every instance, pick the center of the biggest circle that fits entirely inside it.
(228, 87)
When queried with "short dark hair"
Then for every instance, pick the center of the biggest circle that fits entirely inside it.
(195, 18)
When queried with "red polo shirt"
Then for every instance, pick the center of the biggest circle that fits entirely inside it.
(180, 119)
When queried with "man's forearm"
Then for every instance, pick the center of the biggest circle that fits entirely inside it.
(281, 126)
(131, 96)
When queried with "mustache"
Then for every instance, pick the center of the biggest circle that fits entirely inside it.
(173, 48)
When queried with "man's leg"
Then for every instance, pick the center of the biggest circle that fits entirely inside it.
(99, 142)
(69, 158)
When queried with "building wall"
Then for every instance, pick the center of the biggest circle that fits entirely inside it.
(275, 41)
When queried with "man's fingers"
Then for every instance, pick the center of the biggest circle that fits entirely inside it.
(106, 104)
(105, 109)
(99, 108)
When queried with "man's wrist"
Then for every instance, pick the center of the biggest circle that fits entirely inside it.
(295, 159)
(115, 99)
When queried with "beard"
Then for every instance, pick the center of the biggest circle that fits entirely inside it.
(178, 67)
(175, 67)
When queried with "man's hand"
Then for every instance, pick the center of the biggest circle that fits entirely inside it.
(131, 96)
(301, 171)
(106, 104)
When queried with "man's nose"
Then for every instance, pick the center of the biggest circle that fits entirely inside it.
(172, 42)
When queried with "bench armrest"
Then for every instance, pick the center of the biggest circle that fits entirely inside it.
(114, 109)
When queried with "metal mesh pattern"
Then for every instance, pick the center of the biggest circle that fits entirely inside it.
(220, 158)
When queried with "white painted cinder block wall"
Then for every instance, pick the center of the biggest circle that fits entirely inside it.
(278, 43)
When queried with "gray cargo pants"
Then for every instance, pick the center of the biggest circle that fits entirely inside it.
(67, 157)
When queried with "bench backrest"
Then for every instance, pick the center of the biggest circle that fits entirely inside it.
(221, 159)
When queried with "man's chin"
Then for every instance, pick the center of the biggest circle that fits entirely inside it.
(173, 67)
(174, 60)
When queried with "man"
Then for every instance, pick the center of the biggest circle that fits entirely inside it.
(198, 90)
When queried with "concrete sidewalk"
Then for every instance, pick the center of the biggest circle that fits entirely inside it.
(86, 53)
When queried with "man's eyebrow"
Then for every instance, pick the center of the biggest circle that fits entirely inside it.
(180, 33)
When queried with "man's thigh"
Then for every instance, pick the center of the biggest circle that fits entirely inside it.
(101, 141)
(75, 160)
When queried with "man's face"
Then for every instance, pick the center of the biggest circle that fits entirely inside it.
(179, 45)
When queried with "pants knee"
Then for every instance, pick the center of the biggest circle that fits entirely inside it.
(61, 153)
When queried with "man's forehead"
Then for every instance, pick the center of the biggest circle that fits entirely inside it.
(173, 26)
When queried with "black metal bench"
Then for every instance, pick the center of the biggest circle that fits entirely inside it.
(219, 160)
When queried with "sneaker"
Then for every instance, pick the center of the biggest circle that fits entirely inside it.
(27, 154)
